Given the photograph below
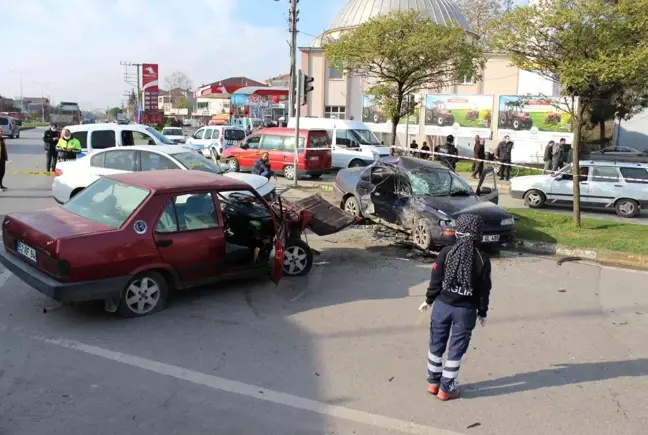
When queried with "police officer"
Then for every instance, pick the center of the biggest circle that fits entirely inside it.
(459, 288)
(449, 148)
(68, 146)
(51, 138)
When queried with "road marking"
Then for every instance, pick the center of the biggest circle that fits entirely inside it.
(30, 173)
(4, 276)
(247, 390)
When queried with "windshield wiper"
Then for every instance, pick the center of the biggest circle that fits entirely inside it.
(461, 193)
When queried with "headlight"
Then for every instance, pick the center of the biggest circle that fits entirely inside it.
(508, 222)
(447, 224)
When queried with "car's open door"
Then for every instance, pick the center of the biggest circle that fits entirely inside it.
(277, 254)
(326, 218)
(484, 191)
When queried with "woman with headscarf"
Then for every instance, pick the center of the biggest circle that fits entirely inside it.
(460, 288)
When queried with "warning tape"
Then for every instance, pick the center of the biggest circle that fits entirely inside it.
(500, 163)
(30, 173)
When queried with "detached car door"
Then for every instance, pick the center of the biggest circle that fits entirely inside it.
(189, 237)
(487, 187)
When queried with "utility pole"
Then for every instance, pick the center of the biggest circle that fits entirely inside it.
(42, 99)
(294, 78)
(133, 79)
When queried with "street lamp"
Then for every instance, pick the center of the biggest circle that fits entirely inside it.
(22, 100)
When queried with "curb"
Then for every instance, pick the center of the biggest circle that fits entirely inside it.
(26, 128)
(598, 255)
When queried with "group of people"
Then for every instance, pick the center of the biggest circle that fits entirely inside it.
(554, 155)
(59, 145)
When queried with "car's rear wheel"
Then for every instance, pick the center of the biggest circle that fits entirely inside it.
(352, 206)
(298, 258)
(356, 163)
(233, 164)
(289, 172)
(422, 234)
(145, 294)
(627, 208)
(535, 199)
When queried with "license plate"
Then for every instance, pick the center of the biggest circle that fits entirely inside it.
(26, 251)
(494, 238)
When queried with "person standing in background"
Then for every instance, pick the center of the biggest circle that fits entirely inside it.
(51, 138)
(479, 152)
(504, 153)
(557, 155)
(425, 151)
(548, 153)
(475, 146)
(460, 286)
(4, 158)
(449, 149)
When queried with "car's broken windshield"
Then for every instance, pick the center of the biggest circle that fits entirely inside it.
(431, 182)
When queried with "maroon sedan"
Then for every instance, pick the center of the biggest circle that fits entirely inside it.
(128, 239)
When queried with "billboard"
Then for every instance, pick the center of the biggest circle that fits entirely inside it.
(459, 115)
(378, 122)
(150, 85)
(531, 122)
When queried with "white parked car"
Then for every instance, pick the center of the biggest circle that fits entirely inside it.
(74, 176)
(213, 139)
(622, 185)
(174, 134)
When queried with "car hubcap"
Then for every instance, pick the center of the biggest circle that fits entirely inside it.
(295, 260)
(626, 207)
(350, 206)
(142, 296)
(289, 171)
(233, 165)
(420, 236)
(534, 199)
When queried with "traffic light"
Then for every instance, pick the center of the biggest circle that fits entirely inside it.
(306, 88)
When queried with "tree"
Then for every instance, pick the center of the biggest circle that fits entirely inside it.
(113, 112)
(588, 46)
(481, 14)
(402, 53)
(178, 80)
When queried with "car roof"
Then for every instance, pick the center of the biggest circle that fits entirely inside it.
(106, 126)
(285, 131)
(174, 180)
(164, 149)
(613, 163)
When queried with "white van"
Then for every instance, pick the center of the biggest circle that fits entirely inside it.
(102, 136)
(213, 139)
(352, 143)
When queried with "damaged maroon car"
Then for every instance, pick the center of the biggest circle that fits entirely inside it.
(130, 239)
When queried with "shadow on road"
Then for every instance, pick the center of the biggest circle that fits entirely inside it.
(562, 374)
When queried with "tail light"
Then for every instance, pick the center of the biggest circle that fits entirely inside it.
(58, 172)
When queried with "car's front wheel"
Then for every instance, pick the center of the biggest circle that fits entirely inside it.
(422, 234)
(233, 164)
(627, 208)
(535, 199)
(145, 294)
(352, 206)
(298, 258)
(356, 163)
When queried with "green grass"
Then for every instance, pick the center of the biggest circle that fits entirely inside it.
(460, 118)
(539, 122)
(465, 166)
(30, 124)
(594, 233)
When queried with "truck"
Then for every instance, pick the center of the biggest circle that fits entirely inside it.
(66, 113)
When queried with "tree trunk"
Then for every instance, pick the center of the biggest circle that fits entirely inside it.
(602, 130)
(578, 119)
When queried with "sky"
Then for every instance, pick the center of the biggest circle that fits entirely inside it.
(71, 49)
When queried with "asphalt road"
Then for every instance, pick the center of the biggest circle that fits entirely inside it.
(341, 351)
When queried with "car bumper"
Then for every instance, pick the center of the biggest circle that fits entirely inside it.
(505, 236)
(517, 194)
(339, 194)
(109, 288)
